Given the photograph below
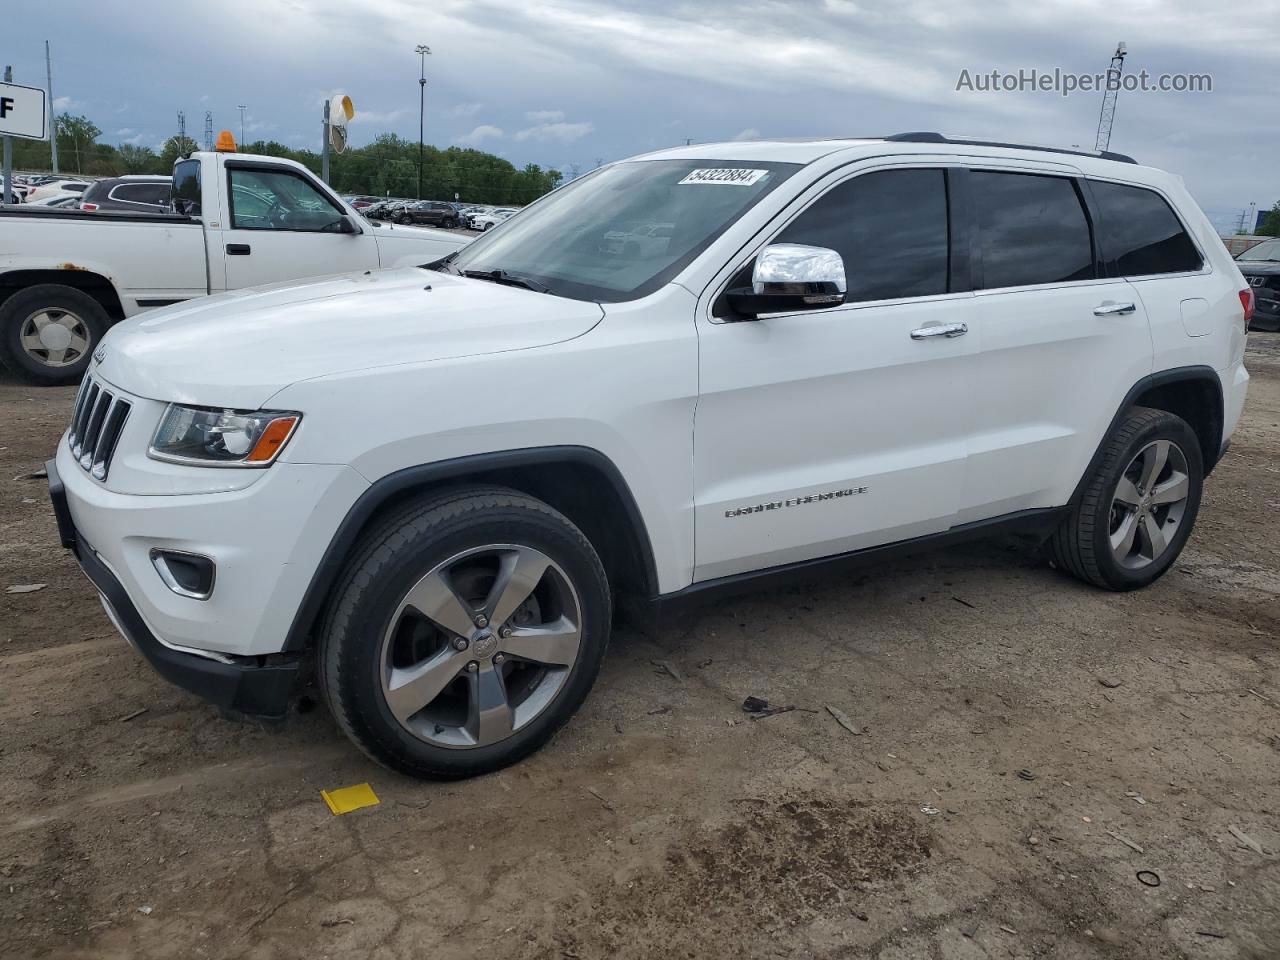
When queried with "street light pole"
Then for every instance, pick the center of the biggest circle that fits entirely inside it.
(421, 50)
(243, 107)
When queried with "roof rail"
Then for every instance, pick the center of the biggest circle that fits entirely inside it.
(928, 136)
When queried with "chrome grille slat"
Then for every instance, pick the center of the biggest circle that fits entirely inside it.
(97, 420)
(82, 418)
(93, 427)
(106, 446)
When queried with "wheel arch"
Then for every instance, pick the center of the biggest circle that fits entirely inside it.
(580, 482)
(1193, 393)
(96, 285)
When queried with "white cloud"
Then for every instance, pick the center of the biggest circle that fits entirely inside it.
(383, 118)
(544, 116)
(65, 103)
(751, 133)
(464, 109)
(481, 133)
(125, 132)
(136, 140)
(558, 132)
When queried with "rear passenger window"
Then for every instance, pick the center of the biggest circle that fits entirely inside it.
(1031, 229)
(1140, 233)
(889, 227)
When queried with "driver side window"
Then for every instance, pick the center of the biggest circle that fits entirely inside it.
(279, 200)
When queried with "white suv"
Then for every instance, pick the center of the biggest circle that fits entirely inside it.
(429, 487)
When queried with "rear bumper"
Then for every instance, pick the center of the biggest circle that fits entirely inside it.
(258, 686)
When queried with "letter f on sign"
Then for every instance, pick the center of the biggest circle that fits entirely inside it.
(6, 104)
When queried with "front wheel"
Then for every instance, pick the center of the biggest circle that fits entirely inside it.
(48, 333)
(1139, 504)
(468, 628)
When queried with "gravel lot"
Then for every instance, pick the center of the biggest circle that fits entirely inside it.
(1013, 726)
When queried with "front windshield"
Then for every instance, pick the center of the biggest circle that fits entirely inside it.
(621, 232)
(1267, 250)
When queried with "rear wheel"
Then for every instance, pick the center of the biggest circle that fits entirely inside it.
(467, 630)
(48, 332)
(1139, 504)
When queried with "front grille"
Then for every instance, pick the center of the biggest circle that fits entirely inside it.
(96, 422)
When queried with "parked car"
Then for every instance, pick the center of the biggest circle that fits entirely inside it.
(239, 221)
(141, 194)
(433, 212)
(50, 187)
(360, 202)
(1260, 265)
(437, 484)
(487, 221)
(18, 189)
(58, 200)
(639, 240)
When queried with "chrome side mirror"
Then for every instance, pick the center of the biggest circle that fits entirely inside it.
(792, 276)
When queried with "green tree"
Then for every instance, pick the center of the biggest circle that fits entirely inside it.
(1270, 226)
(174, 148)
(76, 135)
(136, 159)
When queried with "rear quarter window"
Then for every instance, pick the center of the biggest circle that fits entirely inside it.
(1140, 233)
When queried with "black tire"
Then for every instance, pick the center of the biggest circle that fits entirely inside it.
(14, 313)
(451, 224)
(390, 559)
(1082, 544)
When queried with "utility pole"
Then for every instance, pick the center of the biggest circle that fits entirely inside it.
(324, 147)
(422, 50)
(243, 108)
(53, 117)
(7, 197)
(1107, 116)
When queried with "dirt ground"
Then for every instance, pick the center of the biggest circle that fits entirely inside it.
(1013, 726)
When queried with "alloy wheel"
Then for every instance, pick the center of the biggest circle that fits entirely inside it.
(480, 646)
(1148, 505)
(54, 337)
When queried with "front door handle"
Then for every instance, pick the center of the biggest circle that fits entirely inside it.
(948, 330)
(238, 249)
(1110, 309)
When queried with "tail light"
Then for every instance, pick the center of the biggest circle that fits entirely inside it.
(94, 206)
(1247, 301)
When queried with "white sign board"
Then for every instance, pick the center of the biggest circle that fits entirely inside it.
(23, 112)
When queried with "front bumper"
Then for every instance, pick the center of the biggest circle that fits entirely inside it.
(258, 686)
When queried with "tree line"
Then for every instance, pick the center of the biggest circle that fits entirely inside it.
(386, 167)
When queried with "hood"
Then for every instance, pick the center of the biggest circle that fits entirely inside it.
(237, 349)
(1259, 268)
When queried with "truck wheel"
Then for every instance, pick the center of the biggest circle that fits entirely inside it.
(48, 333)
(1139, 504)
(466, 630)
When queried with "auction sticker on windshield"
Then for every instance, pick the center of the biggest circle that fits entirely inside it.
(734, 176)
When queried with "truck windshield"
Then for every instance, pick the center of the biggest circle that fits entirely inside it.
(623, 231)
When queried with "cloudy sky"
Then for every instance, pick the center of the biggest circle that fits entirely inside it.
(570, 83)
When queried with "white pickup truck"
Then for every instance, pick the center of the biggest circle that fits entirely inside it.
(238, 221)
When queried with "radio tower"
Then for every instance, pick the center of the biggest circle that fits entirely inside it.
(182, 130)
(208, 130)
(1108, 115)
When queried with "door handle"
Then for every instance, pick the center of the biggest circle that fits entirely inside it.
(238, 249)
(1110, 309)
(948, 330)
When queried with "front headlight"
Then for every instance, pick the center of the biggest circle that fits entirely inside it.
(203, 436)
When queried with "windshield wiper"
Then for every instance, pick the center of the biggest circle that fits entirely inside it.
(510, 279)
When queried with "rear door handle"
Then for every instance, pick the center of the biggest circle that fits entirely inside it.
(948, 330)
(1110, 309)
(238, 249)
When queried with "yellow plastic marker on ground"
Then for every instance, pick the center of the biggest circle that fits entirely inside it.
(350, 798)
